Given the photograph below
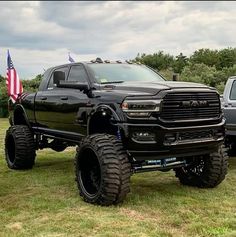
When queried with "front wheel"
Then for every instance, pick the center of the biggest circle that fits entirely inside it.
(102, 170)
(19, 147)
(205, 171)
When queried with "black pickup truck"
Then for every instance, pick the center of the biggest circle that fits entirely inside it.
(124, 118)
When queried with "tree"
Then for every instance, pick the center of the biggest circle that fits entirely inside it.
(201, 73)
(3, 97)
(207, 56)
(167, 74)
(28, 85)
(159, 61)
(33, 84)
(180, 62)
(227, 58)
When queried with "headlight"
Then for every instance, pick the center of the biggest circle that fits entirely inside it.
(140, 108)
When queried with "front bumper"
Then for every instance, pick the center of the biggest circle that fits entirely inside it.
(172, 142)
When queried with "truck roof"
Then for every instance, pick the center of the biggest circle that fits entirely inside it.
(97, 61)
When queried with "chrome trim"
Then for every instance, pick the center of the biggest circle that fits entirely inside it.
(174, 128)
(186, 142)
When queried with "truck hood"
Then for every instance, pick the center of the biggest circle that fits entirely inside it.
(154, 87)
(151, 88)
(119, 91)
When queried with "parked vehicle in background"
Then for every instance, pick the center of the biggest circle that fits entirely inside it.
(229, 109)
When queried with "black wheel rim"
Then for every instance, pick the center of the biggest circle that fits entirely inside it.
(10, 148)
(89, 172)
(197, 168)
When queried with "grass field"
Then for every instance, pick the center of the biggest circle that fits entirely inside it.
(44, 201)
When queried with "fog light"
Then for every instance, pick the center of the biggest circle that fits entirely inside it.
(143, 136)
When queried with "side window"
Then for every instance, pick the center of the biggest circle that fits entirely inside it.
(233, 91)
(63, 69)
(44, 81)
(78, 74)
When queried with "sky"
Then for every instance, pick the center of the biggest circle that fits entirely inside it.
(39, 35)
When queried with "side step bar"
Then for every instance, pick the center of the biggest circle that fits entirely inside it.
(62, 135)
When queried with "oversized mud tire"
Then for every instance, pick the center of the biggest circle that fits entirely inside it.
(207, 171)
(232, 149)
(19, 147)
(102, 170)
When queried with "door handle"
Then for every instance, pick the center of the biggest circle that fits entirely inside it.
(64, 98)
(43, 98)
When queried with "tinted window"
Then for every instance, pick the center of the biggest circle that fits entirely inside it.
(233, 91)
(77, 73)
(63, 69)
(44, 81)
(105, 73)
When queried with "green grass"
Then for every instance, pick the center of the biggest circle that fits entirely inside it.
(44, 201)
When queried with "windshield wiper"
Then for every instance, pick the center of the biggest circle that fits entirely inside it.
(111, 82)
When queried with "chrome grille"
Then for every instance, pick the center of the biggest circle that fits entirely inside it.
(190, 106)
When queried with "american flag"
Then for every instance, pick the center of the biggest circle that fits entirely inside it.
(14, 85)
(70, 58)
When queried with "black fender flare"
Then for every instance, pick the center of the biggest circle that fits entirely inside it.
(20, 108)
(101, 109)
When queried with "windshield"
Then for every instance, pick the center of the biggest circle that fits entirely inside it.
(118, 73)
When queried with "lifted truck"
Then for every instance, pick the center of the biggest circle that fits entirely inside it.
(124, 118)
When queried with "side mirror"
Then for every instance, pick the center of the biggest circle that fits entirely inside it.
(75, 85)
(58, 76)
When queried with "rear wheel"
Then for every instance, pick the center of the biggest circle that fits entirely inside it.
(231, 145)
(19, 147)
(102, 170)
(206, 171)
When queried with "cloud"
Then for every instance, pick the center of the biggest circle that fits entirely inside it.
(40, 34)
(36, 61)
